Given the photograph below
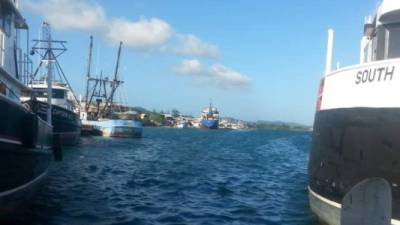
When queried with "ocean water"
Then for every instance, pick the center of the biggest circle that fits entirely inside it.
(173, 176)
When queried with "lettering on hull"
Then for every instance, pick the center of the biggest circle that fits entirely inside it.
(375, 75)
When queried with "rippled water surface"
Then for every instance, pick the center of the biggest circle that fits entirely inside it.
(180, 177)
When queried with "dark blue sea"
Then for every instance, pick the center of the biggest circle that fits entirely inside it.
(173, 176)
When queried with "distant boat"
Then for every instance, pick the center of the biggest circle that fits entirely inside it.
(25, 139)
(210, 118)
(239, 126)
(182, 124)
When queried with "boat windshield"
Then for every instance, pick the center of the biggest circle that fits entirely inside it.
(387, 42)
(57, 93)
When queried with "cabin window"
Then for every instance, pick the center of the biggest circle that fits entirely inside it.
(5, 21)
(7, 24)
(1, 18)
(57, 94)
(41, 93)
(3, 88)
(394, 41)
(380, 43)
(387, 42)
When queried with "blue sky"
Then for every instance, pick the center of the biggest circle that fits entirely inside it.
(257, 59)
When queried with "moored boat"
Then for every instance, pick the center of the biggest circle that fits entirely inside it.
(64, 104)
(65, 121)
(25, 139)
(25, 155)
(100, 111)
(120, 128)
(210, 118)
(355, 135)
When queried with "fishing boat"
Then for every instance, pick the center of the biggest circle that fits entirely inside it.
(210, 118)
(357, 121)
(182, 124)
(101, 111)
(122, 128)
(65, 107)
(25, 139)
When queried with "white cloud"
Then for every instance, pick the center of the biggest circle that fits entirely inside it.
(70, 14)
(191, 45)
(145, 33)
(217, 74)
(87, 15)
(142, 34)
(189, 67)
(228, 77)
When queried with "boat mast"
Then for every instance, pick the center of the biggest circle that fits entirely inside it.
(88, 74)
(329, 52)
(47, 35)
(115, 83)
(49, 50)
(210, 110)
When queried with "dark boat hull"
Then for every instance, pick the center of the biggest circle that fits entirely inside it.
(22, 172)
(25, 155)
(65, 122)
(350, 145)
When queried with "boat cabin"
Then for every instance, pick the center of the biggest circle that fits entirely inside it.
(210, 113)
(11, 54)
(57, 93)
(381, 39)
(60, 95)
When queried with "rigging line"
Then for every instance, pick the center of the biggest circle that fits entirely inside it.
(118, 94)
(124, 97)
(93, 92)
(38, 69)
(58, 73)
(122, 103)
(97, 59)
(66, 80)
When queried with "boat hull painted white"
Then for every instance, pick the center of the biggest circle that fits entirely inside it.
(118, 128)
(371, 85)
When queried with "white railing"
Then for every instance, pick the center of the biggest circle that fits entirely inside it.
(2, 48)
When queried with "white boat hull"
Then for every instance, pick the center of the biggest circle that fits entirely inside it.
(118, 128)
